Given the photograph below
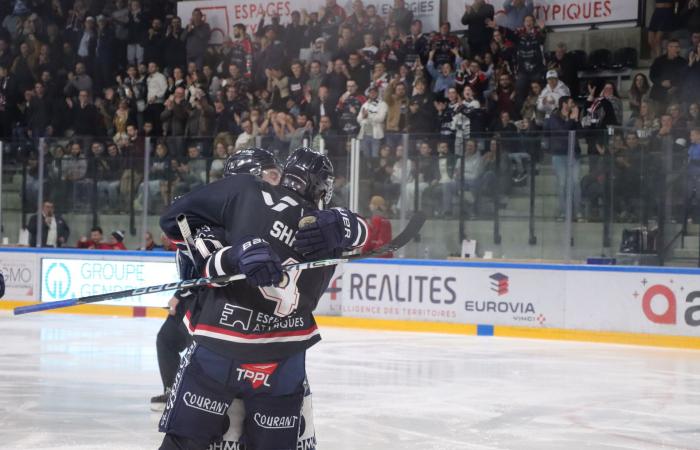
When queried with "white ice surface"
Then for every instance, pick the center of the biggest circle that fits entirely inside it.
(82, 382)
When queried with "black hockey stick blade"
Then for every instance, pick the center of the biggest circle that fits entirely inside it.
(415, 224)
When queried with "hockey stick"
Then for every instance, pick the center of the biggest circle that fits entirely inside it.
(411, 231)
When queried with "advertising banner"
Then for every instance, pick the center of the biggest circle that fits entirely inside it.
(222, 15)
(21, 272)
(329, 304)
(658, 303)
(556, 13)
(71, 278)
(454, 294)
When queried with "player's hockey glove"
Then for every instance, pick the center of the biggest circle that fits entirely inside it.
(329, 232)
(255, 258)
(208, 239)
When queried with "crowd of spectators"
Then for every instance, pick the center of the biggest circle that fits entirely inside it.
(97, 77)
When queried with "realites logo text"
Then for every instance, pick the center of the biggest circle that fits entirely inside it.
(660, 306)
(499, 284)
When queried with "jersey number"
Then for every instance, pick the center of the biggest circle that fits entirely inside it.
(286, 295)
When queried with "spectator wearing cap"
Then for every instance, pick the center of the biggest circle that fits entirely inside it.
(196, 38)
(371, 119)
(319, 52)
(116, 241)
(552, 92)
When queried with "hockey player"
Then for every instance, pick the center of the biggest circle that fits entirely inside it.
(173, 336)
(250, 338)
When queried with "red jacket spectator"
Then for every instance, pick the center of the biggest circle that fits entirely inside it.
(379, 227)
(95, 241)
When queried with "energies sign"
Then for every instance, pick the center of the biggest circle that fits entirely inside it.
(222, 15)
(64, 279)
(454, 294)
(562, 12)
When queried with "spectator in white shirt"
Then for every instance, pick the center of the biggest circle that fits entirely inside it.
(550, 95)
(156, 87)
(371, 119)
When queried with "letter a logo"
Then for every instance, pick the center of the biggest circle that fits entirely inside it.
(669, 316)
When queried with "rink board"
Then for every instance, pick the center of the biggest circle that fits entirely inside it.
(636, 305)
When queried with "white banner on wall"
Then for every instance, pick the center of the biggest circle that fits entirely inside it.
(330, 301)
(454, 294)
(222, 15)
(659, 303)
(615, 299)
(21, 272)
(556, 13)
(71, 278)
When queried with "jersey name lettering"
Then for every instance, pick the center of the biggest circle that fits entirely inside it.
(282, 232)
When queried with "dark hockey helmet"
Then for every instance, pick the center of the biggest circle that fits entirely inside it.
(250, 160)
(310, 174)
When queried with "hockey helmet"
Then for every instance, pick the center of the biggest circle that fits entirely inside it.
(310, 174)
(250, 160)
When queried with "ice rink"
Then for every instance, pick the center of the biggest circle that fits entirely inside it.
(84, 382)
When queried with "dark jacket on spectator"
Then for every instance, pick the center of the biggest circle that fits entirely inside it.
(174, 50)
(137, 28)
(196, 41)
(478, 35)
(201, 121)
(154, 48)
(175, 120)
(556, 128)
(62, 230)
(666, 69)
(39, 115)
(424, 119)
(86, 120)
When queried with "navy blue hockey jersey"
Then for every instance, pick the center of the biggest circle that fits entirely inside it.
(256, 324)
